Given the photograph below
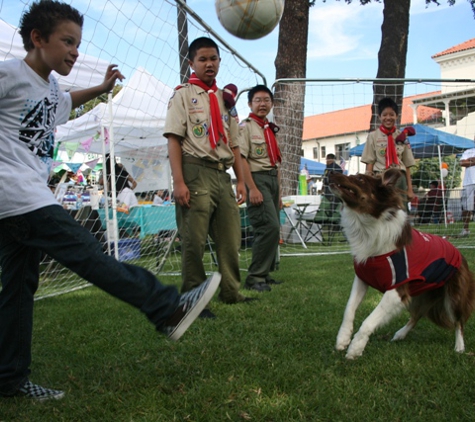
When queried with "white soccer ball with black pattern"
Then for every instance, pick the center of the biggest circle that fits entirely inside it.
(249, 19)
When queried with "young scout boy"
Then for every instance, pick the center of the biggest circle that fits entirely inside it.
(203, 142)
(388, 147)
(31, 105)
(261, 172)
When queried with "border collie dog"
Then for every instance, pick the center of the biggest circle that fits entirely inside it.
(421, 272)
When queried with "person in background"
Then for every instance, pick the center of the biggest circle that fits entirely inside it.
(261, 172)
(31, 105)
(203, 142)
(431, 205)
(332, 166)
(467, 160)
(388, 147)
(124, 183)
(158, 198)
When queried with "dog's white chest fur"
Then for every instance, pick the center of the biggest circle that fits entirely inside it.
(369, 236)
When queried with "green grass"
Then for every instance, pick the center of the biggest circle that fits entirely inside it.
(271, 360)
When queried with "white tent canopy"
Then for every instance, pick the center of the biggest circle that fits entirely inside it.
(88, 71)
(137, 119)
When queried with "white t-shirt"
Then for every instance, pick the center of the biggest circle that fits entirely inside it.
(469, 178)
(157, 200)
(127, 197)
(30, 109)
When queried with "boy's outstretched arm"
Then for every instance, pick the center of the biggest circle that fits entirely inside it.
(84, 95)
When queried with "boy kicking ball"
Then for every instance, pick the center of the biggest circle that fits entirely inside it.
(31, 106)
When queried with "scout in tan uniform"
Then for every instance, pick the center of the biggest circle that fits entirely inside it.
(388, 147)
(261, 172)
(203, 141)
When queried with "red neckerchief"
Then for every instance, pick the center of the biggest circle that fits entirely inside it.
(273, 150)
(391, 153)
(216, 129)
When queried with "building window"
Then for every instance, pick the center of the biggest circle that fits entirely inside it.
(342, 151)
(324, 152)
(315, 153)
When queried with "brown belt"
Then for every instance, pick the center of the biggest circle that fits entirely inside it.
(216, 165)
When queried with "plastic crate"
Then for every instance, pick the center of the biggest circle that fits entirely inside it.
(129, 249)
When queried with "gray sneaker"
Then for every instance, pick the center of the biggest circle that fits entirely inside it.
(190, 306)
(37, 392)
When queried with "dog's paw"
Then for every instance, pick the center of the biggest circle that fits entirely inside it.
(398, 336)
(343, 339)
(357, 346)
(341, 345)
(352, 354)
(354, 351)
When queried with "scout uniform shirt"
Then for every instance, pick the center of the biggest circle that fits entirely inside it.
(375, 151)
(253, 146)
(188, 117)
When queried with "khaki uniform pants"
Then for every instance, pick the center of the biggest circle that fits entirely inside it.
(213, 210)
(265, 221)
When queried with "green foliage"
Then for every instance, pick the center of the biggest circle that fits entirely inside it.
(272, 360)
(428, 2)
(427, 169)
(79, 111)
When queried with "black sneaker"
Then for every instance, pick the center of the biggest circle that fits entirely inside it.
(270, 280)
(206, 313)
(258, 287)
(37, 392)
(190, 306)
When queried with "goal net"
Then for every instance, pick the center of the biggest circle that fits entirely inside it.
(338, 117)
(148, 41)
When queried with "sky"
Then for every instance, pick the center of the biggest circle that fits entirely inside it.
(344, 39)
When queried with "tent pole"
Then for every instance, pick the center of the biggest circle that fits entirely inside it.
(106, 190)
(444, 206)
(113, 178)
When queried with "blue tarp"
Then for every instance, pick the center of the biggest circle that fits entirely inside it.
(314, 167)
(426, 142)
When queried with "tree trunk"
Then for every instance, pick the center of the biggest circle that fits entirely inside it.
(392, 54)
(289, 98)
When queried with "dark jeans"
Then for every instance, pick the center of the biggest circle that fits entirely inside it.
(53, 231)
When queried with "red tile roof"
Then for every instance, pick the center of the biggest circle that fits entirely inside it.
(467, 45)
(357, 119)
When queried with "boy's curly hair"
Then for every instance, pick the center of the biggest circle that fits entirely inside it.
(45, 15)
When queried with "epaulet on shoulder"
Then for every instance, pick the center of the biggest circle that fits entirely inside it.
(244, 122)
(181, 86)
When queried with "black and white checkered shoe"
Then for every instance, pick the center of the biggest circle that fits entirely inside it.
(190, 306)
(37, 392)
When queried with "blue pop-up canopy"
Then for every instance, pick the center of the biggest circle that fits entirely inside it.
(427, 142)
(314, 167)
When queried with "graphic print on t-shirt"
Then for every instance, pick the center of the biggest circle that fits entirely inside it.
(37, 128)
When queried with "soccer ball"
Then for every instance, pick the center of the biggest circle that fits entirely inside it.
(249, 19)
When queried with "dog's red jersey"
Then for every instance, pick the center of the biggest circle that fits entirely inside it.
(427, 263)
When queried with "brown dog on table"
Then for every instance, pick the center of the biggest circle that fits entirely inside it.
(421, 272)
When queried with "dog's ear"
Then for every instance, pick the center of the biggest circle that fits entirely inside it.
(391, 176)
